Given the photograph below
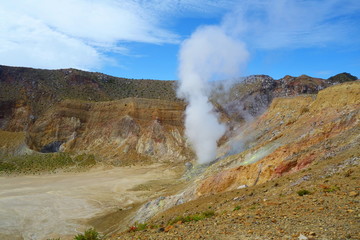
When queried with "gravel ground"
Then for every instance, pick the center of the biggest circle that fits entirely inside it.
(273, 210)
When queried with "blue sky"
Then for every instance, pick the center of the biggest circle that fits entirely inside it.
(141, 39)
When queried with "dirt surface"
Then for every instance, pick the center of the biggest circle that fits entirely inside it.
(64, 204)
(273, 210)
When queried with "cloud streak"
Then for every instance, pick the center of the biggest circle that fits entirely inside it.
(85, 33)
(80, 33)
(277, 24)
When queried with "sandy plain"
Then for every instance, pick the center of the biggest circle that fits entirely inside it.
(64, 204)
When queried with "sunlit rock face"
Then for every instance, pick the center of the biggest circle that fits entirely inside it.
(124, 130)
(125, 121)
(26, 93)
(290, 136)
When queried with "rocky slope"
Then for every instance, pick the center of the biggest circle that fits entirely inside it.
(123, 121)
(127, 131)
(26, 93)
(289, 136)
(283, 135)
(301, 156)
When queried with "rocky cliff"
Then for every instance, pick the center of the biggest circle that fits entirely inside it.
(124, 121)
(291, 135)
(130, 130)
(298, 128)
(27, 93)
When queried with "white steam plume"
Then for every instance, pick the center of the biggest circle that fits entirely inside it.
(209, 54)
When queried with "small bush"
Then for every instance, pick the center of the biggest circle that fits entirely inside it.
(303, 192)
(330, 189)
(190, 218)
(140, 227)
(90, 234)
(209, 213)
(304, 110)
(236, 208)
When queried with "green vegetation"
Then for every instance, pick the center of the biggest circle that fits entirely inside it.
(44, 162)
(190, 218)
(304, 110)
(342, 77)
(330, 189)
(85, 160)
(52, 86)
(236, 208)
(303, 192)
(140, 226)
(90, 234)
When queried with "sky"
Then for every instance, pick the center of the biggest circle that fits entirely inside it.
(142, 38)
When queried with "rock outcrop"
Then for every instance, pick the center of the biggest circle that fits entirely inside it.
(27, 93)
(251, 96)
(291, 135)
(124, 121)
(125, 131)
(294, 133)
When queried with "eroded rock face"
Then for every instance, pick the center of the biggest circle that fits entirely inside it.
(253, 95)
(26, 93)
(126, 130)
(292, 134)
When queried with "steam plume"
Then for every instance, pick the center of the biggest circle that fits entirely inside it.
(209, 54)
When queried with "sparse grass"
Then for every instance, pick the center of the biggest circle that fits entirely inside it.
(190, 218)
(236, 208)
(44, 162)
(304, 110)
(303, 192)
(90, 234)
(85, 160)
(52, 86)
(330, 189)
(142, 226)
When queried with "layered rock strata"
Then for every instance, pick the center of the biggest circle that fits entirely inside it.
(127, 130)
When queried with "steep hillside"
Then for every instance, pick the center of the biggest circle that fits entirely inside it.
(292, 147)
(247, 98)
(127, 131)
(302, 145)
(27, 93)
(289, 136)
(123, 121)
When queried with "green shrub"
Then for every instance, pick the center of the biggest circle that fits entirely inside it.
(236, 208)
(190, 218)
(331, 189)
(303, 192)
(140, 226)
(208, 214)
(90, 234)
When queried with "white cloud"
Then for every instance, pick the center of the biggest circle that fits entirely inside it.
(69, 33)
(274, 24)
(80, 33)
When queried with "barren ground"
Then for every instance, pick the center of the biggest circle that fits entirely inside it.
(273, 210)
(63, 204)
